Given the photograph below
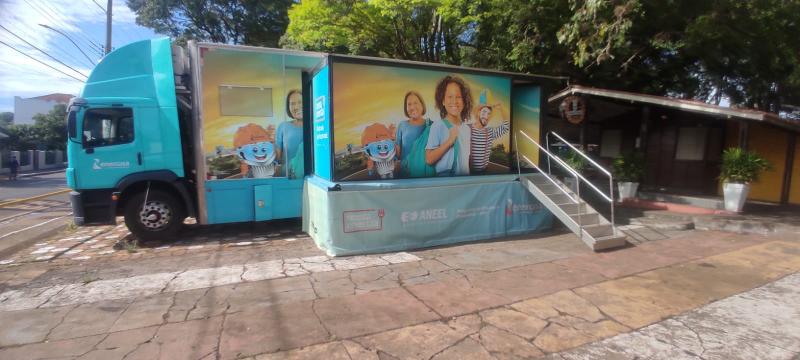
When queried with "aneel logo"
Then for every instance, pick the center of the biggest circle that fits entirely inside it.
(425, 215)
(99, 165)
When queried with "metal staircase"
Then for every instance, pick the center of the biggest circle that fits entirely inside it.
(566, 204)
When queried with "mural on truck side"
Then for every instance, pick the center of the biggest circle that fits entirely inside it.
(397, 122)
(252, 115)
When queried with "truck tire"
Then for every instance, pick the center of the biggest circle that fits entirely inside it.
(160, 219)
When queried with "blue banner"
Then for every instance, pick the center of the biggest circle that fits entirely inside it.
(428, 212)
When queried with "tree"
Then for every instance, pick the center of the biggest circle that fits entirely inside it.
(50, 130)
(250, 22)
(6, 119)
(401, 29)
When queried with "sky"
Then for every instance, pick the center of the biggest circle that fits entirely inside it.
(82, 20)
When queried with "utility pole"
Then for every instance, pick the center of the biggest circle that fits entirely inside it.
(108, 26)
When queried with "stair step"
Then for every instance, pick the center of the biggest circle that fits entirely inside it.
(550, 189)
(573, 208)
(599, 230)
(608, 242)
(664, 224)
(560, 199)
(586, 219)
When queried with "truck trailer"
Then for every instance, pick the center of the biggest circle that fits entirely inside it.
(373, 154)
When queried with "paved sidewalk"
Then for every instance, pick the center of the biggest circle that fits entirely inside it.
(516, 298)
(762, 323)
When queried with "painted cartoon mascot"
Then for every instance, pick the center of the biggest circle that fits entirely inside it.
(255, 148)
(378, 143)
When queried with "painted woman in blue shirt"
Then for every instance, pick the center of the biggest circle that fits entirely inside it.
(289, 137)
(409, 130)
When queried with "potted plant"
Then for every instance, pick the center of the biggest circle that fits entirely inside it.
(628, 169)
(739, 168)
(577, 163)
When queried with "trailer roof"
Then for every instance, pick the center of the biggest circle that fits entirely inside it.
(378, 60)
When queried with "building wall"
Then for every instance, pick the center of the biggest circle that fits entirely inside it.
(25, 109)
(771, 143)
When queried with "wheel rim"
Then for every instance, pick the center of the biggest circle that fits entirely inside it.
(155, 215)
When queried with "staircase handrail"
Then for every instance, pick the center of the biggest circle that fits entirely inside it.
(540, 170)
(609, 198)
(568, 168)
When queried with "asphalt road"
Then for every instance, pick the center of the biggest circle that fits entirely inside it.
(28, 186)
(25, 223)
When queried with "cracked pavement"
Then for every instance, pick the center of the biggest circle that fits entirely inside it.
(692, 294)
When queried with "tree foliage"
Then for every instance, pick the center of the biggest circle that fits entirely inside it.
(49, 132)
(745, 50)
(6, 119)
(250, 22)
(409, 29)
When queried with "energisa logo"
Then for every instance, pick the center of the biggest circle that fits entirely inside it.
(98, 165)
(424, 215)
(512, 208)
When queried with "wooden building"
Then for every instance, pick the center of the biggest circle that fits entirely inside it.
(682, 140)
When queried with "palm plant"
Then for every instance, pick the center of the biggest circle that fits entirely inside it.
(741, 166)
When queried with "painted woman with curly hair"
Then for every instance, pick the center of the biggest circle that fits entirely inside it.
(449, 139)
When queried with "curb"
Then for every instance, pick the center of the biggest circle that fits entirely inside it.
(37, 197)
(48, 172)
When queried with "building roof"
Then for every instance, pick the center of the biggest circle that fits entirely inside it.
(59, 98)
(681, 104)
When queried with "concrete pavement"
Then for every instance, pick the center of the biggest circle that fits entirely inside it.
(514, 298)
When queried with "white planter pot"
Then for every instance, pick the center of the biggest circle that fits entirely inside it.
(627, 190)
(735, 196)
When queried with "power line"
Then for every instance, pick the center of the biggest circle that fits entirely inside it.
(100, 6)
(39, 61)
(57, 21)
(23, 28)
(70, 40)
(42, 51)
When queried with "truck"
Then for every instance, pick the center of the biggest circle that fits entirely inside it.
(372, 154)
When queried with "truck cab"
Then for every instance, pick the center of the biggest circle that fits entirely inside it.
(125, 150)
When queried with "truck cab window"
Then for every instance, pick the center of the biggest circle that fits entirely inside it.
(105, 127)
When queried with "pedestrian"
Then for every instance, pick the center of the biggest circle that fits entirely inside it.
(14, 166)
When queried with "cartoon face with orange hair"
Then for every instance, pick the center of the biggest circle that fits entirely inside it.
(378, 143)
(254, 146)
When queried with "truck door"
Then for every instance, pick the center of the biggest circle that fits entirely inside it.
(110, 146)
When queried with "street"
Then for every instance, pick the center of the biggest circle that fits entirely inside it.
(23, 223)
(31, 185)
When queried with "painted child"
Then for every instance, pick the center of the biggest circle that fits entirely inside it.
(255, 149)
(378, 143)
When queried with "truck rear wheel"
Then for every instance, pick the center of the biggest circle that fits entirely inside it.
(160, 219)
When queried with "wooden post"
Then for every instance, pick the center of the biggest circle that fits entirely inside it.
(744, 133)
(787, 171)
(643, 128)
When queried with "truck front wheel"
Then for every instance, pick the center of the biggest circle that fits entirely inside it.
(159, 219)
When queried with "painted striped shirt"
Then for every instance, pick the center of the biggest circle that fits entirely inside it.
(481, 144)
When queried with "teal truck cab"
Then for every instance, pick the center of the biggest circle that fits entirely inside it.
(126, 143)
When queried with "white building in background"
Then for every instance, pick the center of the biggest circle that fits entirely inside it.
(25, 109)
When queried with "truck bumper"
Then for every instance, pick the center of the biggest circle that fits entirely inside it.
(93, 207)
(77, 207)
